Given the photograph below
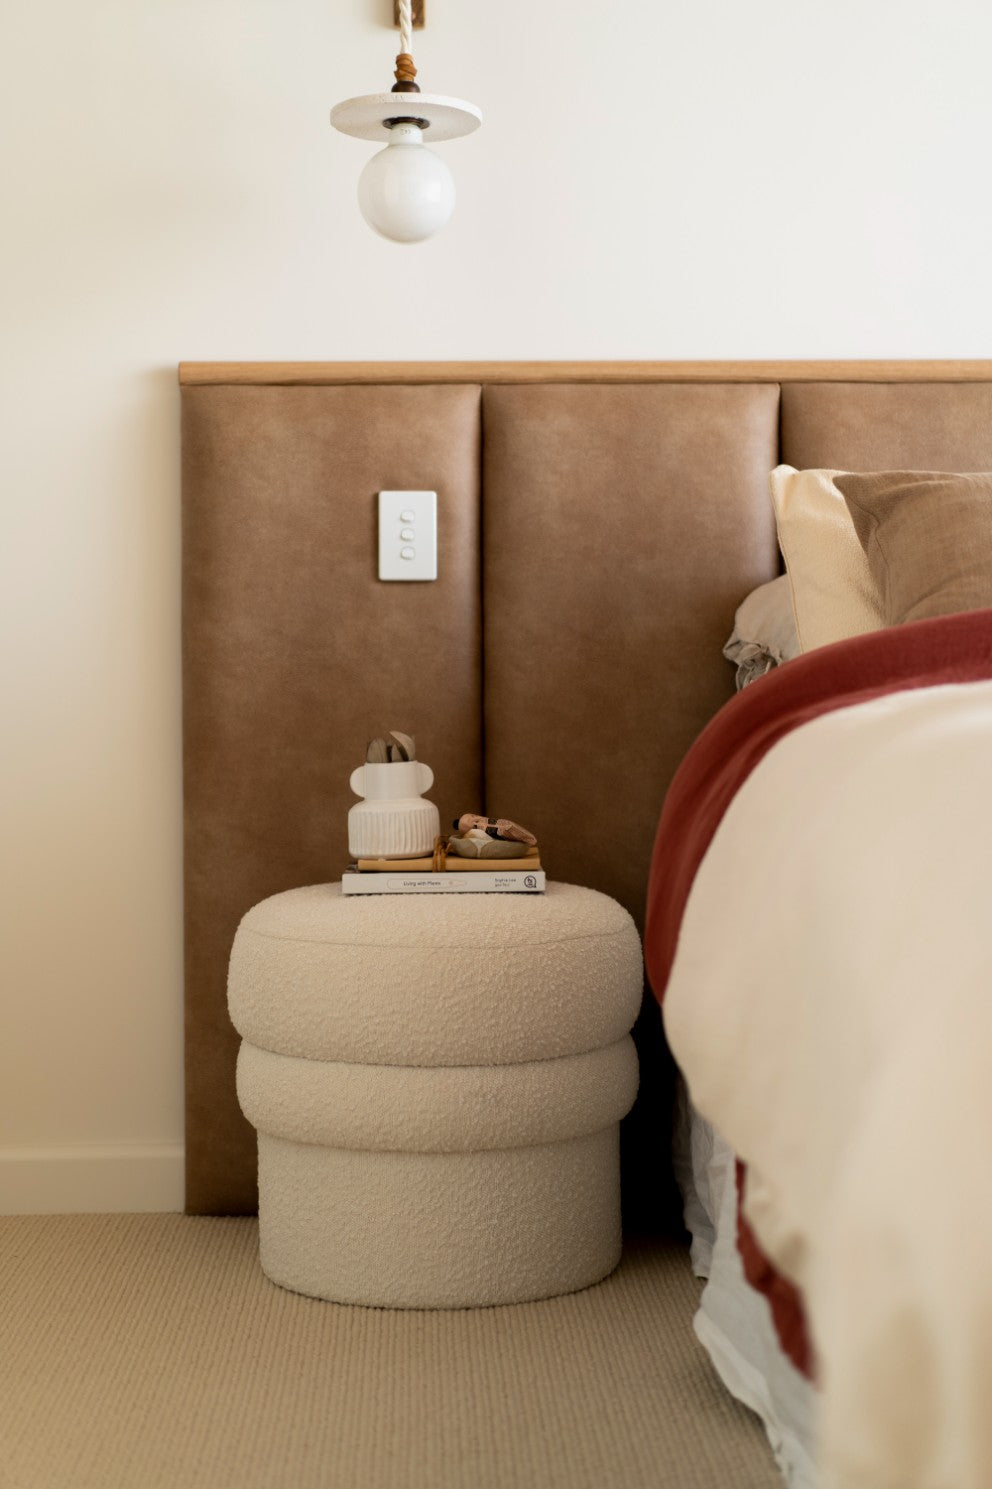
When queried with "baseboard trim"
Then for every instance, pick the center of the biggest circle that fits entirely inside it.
(105, 1178)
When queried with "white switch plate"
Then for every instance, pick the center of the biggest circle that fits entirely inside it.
(407, 534)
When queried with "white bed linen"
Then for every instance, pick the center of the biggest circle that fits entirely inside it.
(839, 1033)
(734, 1321)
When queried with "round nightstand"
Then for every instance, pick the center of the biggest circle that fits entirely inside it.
(437, 1084)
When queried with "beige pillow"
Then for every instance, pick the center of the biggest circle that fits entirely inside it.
(834, 594)
(927, 537)
(764, 633)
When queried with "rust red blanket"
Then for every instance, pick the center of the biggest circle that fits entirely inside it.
(950, 649)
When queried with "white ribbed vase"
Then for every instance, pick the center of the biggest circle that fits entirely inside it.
(394, 820)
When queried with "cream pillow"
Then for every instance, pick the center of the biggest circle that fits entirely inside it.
(833, 592)
(928, 538)
(764, 633)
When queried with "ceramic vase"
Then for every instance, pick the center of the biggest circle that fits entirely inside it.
(393, 820)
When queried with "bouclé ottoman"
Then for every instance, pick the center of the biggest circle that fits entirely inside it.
(437, 1083)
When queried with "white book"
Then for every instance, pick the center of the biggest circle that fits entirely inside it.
(448, 883)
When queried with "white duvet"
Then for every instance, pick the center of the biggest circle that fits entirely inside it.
(831, 1007)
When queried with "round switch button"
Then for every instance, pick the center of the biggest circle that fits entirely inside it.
(407, 553)
(407, 534)
(407, 516)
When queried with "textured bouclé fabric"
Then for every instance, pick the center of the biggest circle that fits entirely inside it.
(437, 1086)
(480, 979)
(436, 1109)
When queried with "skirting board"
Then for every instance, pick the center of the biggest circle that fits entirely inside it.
(109, 1178)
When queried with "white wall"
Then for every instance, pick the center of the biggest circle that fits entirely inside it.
(778, 179)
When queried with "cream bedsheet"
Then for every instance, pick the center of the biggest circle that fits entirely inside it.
(838, 1032)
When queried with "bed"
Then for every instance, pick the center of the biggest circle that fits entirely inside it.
(818, 930)
(601, 526)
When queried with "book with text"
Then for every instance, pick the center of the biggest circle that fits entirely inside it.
(495, 881)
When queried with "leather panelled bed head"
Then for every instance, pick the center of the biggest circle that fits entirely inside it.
(294, 655)
(622, 527)
(597, 530)
(887, 426)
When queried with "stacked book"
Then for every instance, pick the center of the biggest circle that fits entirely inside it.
(459, 875)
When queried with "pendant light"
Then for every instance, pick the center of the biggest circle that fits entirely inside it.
(406, 192)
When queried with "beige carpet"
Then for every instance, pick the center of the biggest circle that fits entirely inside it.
(148, 1352)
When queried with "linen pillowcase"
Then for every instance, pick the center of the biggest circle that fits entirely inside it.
(764, 633)
(834, 594)
(927, 537)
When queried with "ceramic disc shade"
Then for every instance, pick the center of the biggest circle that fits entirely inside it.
(447, 118)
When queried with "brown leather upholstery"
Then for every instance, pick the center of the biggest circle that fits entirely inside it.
(293, 655)
(622, 527)
(887, 426)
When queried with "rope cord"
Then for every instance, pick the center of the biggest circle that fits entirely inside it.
(406, 26)
(406, 72)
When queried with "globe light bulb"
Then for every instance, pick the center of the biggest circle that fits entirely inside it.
(406, 192)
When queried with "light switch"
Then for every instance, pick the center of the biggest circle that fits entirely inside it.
(407, 534)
